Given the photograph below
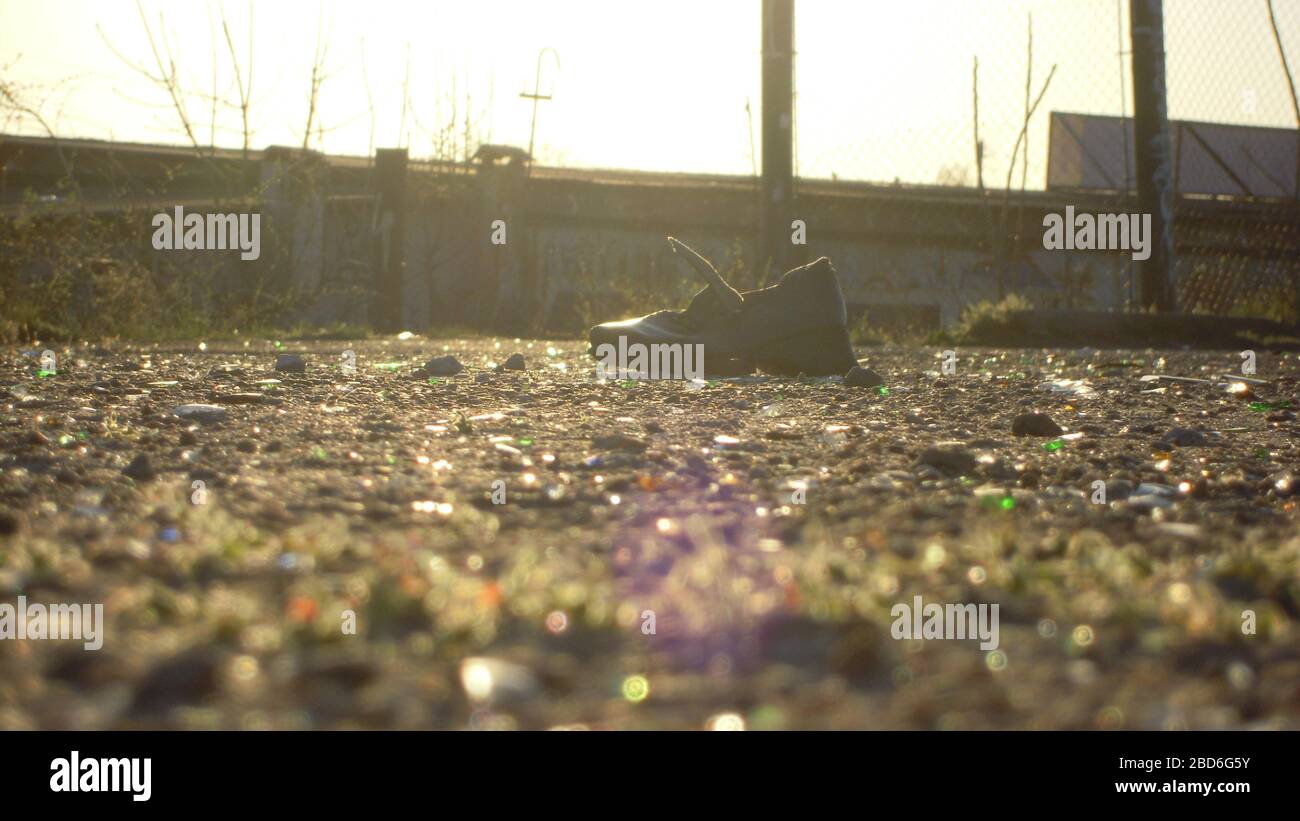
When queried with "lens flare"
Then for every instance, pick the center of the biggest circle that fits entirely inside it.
(636, 689)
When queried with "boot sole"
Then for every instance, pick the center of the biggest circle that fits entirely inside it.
(822, 351)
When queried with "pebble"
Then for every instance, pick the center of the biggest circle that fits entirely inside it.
(1167, 491)
(242, 398)
(186, 678)
(619, 441)
(1181, 530)
(443, 366)
(1184, 438)
(860, 377)
(1283, 483)
(1035, 424)
(1148, 501)
(203, 414)
(290, 363)
(515, 362)
(948, 457)
(140, 469)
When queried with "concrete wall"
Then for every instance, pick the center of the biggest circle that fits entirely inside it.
(586, 245)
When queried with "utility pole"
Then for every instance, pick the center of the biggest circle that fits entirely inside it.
(777, 185)
(1152, 150)
(536, 97)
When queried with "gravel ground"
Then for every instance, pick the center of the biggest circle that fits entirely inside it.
(665, 554)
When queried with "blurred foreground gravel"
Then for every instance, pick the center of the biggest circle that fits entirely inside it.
(720, 554)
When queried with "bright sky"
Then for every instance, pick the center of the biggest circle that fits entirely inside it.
(884, 86)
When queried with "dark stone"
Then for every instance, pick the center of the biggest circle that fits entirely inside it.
(190, 678)
(443, 366)
(618, 441)
(515, 362)
(1035, 424)
(948, 458)
(245, 398)
(290, 363)
(140, 469)
(860, 377)
(1185, 438)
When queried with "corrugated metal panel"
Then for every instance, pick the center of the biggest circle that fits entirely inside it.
(1087, 152)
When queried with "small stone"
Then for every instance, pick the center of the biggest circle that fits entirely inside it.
(246, 446)
(443, 366)
(482, 378)
(188, 439)
(189, 677)
(203, 414)
(37, 439)
(140, 469)
(1184, 438)
(1148, 501)
(1035, 424)
(8, 523)
(515, 362)
(783, 434)
(860, 377)
(619, 441)
(246, 398)
(1181, 530)
(949, 457)
(290, 363)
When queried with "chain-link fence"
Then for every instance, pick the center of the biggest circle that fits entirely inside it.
(1037, 95)
(890, 92)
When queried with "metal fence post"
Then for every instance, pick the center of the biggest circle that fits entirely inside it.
(1152, 152)
(390, 268)
(777, 188)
